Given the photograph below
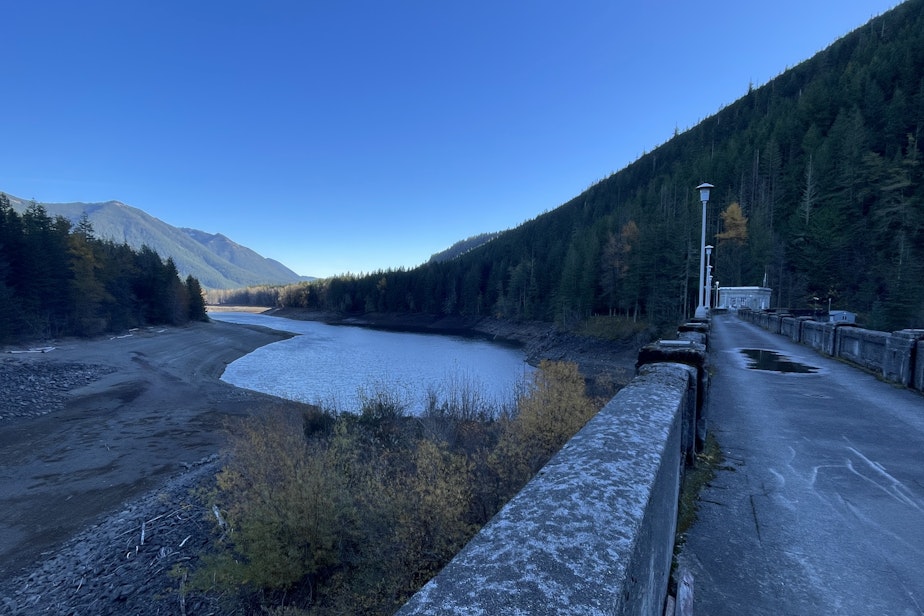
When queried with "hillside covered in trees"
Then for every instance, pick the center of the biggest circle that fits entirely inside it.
(214, 260)
(819, 191)
(58, 279)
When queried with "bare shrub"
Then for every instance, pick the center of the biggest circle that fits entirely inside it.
(548, 413)
(283, 505)
(353, 513)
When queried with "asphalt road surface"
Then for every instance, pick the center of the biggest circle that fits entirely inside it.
(819, 508)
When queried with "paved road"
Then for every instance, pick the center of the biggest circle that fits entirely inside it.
(820, 509)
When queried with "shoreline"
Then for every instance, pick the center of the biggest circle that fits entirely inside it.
(101, 512)
(154, 407)
(600, 361)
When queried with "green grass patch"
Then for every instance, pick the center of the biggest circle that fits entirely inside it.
(694, 480)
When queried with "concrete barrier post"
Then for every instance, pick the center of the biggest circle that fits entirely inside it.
(696, 331)
(819, 336)
(828, 338)
(786, 326)
(919, 366)
(799, 328)
(898, 360)
(693, 354)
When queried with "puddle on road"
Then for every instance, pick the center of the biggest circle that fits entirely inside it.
(762, 359)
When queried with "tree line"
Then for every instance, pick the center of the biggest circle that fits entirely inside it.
(818, 192)
(58, 279)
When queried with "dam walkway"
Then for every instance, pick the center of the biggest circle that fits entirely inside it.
(818, 506)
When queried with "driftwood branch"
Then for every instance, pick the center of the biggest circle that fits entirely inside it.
(221, 521)
(183, 594)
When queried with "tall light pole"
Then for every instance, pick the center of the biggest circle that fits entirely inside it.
(708, 290)
(701, 312)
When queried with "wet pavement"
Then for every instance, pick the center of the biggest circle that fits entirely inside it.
(819, 506)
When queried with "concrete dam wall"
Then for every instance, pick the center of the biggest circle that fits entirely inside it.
(593, 532)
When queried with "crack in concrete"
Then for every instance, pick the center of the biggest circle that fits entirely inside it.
(756, 523)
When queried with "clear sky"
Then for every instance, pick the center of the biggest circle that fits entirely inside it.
(350, 136)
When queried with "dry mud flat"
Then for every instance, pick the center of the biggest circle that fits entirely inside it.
(87, 426)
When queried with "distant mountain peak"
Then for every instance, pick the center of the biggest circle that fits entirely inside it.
(214, 259)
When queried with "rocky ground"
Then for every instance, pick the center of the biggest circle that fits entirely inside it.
(103, 444)
(38, 389)
(130, 562)
(101, 510)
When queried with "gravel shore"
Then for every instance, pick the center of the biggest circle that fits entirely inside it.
(130, 562)
(105, 446)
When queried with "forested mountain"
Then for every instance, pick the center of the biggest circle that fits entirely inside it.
(463, 246)
(213, 259)
(59, 279)
(818, 187)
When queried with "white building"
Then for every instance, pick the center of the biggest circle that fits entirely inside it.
(733, 298)
(841, 316)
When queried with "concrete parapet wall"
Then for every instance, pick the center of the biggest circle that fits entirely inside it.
(694, 332)
(900, 356)
(863, 347)
(593, 532)
(693, 354)
(819, 336)
(763, 319)
(918, 367)
(774, 323)
(789, 327)
(897, 357)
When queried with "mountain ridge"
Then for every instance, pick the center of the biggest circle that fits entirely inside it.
(217, 261)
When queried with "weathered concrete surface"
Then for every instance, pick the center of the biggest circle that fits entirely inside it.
(789, 327)
(693, 355)
(864, 347)
(695, 332)
(821, 508)
(593, 532)
(898, 362)
(918, 374)
(819, 336)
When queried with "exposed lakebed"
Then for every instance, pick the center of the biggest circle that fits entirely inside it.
(337, 366)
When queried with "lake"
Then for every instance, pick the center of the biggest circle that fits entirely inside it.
(336, 367)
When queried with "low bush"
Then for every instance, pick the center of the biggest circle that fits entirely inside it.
(352, 513)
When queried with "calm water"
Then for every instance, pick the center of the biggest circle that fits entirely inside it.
(335, 366)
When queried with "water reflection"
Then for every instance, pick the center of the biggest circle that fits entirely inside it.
(762, 359)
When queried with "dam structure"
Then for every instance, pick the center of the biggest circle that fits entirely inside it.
(594, 531)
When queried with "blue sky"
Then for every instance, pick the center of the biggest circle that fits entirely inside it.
(341, 136)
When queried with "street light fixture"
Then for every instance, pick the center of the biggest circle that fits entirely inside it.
(708, 290)
(701, 312)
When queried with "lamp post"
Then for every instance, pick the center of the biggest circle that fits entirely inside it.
(715, 283)
(701, 302)
(707, 292)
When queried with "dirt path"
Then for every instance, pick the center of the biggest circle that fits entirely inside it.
(157, 409)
